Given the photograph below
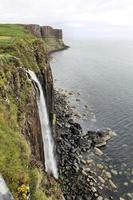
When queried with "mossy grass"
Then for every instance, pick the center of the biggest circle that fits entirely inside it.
(14, 30)
(14, 152)
(19, 51)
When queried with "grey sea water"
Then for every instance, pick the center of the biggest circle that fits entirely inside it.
(102, 72)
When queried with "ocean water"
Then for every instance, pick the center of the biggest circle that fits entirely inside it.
(102, 72)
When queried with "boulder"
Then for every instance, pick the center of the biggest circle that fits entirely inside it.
(98, 152)
(112, 185)
(74, 130)
(100, 138)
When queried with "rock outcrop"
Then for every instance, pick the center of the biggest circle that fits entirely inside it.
(45, 31)
(48, 31)
(35, 29)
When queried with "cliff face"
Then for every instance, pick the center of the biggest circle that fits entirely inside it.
(45, 31)
(48, 31)
(21, 147)
(53, 38)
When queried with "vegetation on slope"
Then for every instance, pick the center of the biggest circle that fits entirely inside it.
(53, 44)
(19, 50)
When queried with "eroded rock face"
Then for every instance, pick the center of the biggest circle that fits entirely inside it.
(49, 32)
(45, 31)
(32, 131)
(58, 33)
(45, 77)
(35, 29)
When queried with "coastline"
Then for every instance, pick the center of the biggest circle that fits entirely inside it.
(80, 176)
(65, 47)
(116, 155)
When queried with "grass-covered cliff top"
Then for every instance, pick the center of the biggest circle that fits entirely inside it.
(9, 33)
(13, 30)
(17, 41)
(20, 50)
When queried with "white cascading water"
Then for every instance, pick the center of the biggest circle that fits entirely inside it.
(48, 142)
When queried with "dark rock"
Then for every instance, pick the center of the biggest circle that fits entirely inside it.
(99, 138)
(74, 130)
(67, 115)
(85, 143)
(77, 125)
(75, 175)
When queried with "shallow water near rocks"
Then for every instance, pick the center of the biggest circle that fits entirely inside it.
(102, 72)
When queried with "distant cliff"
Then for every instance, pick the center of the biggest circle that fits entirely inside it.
(53, 38)
(45, 31)
(22, 47)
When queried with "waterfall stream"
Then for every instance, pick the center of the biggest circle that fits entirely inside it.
(4, 191)
(48, 142)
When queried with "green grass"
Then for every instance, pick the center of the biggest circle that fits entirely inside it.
(14, 155)
(20, 50)
(36, 192)
(13, 30)
(14, 150)
(9, 33)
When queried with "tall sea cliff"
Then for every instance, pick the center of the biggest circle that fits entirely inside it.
(24, 47)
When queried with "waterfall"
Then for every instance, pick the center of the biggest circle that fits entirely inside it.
(48, 142)
(4, 191)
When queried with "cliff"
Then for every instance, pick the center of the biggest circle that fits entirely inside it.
(23, 47)
(53, 38)
(44, 31)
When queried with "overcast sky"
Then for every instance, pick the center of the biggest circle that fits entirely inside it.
(100, 18)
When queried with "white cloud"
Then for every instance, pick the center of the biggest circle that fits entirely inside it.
(73, 13)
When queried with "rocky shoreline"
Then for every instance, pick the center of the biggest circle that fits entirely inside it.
(80, 177)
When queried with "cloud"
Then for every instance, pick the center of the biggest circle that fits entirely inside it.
(69, 13)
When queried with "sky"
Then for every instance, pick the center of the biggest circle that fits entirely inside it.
(78, 18)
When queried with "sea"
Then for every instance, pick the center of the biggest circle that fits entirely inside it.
(100, 75)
